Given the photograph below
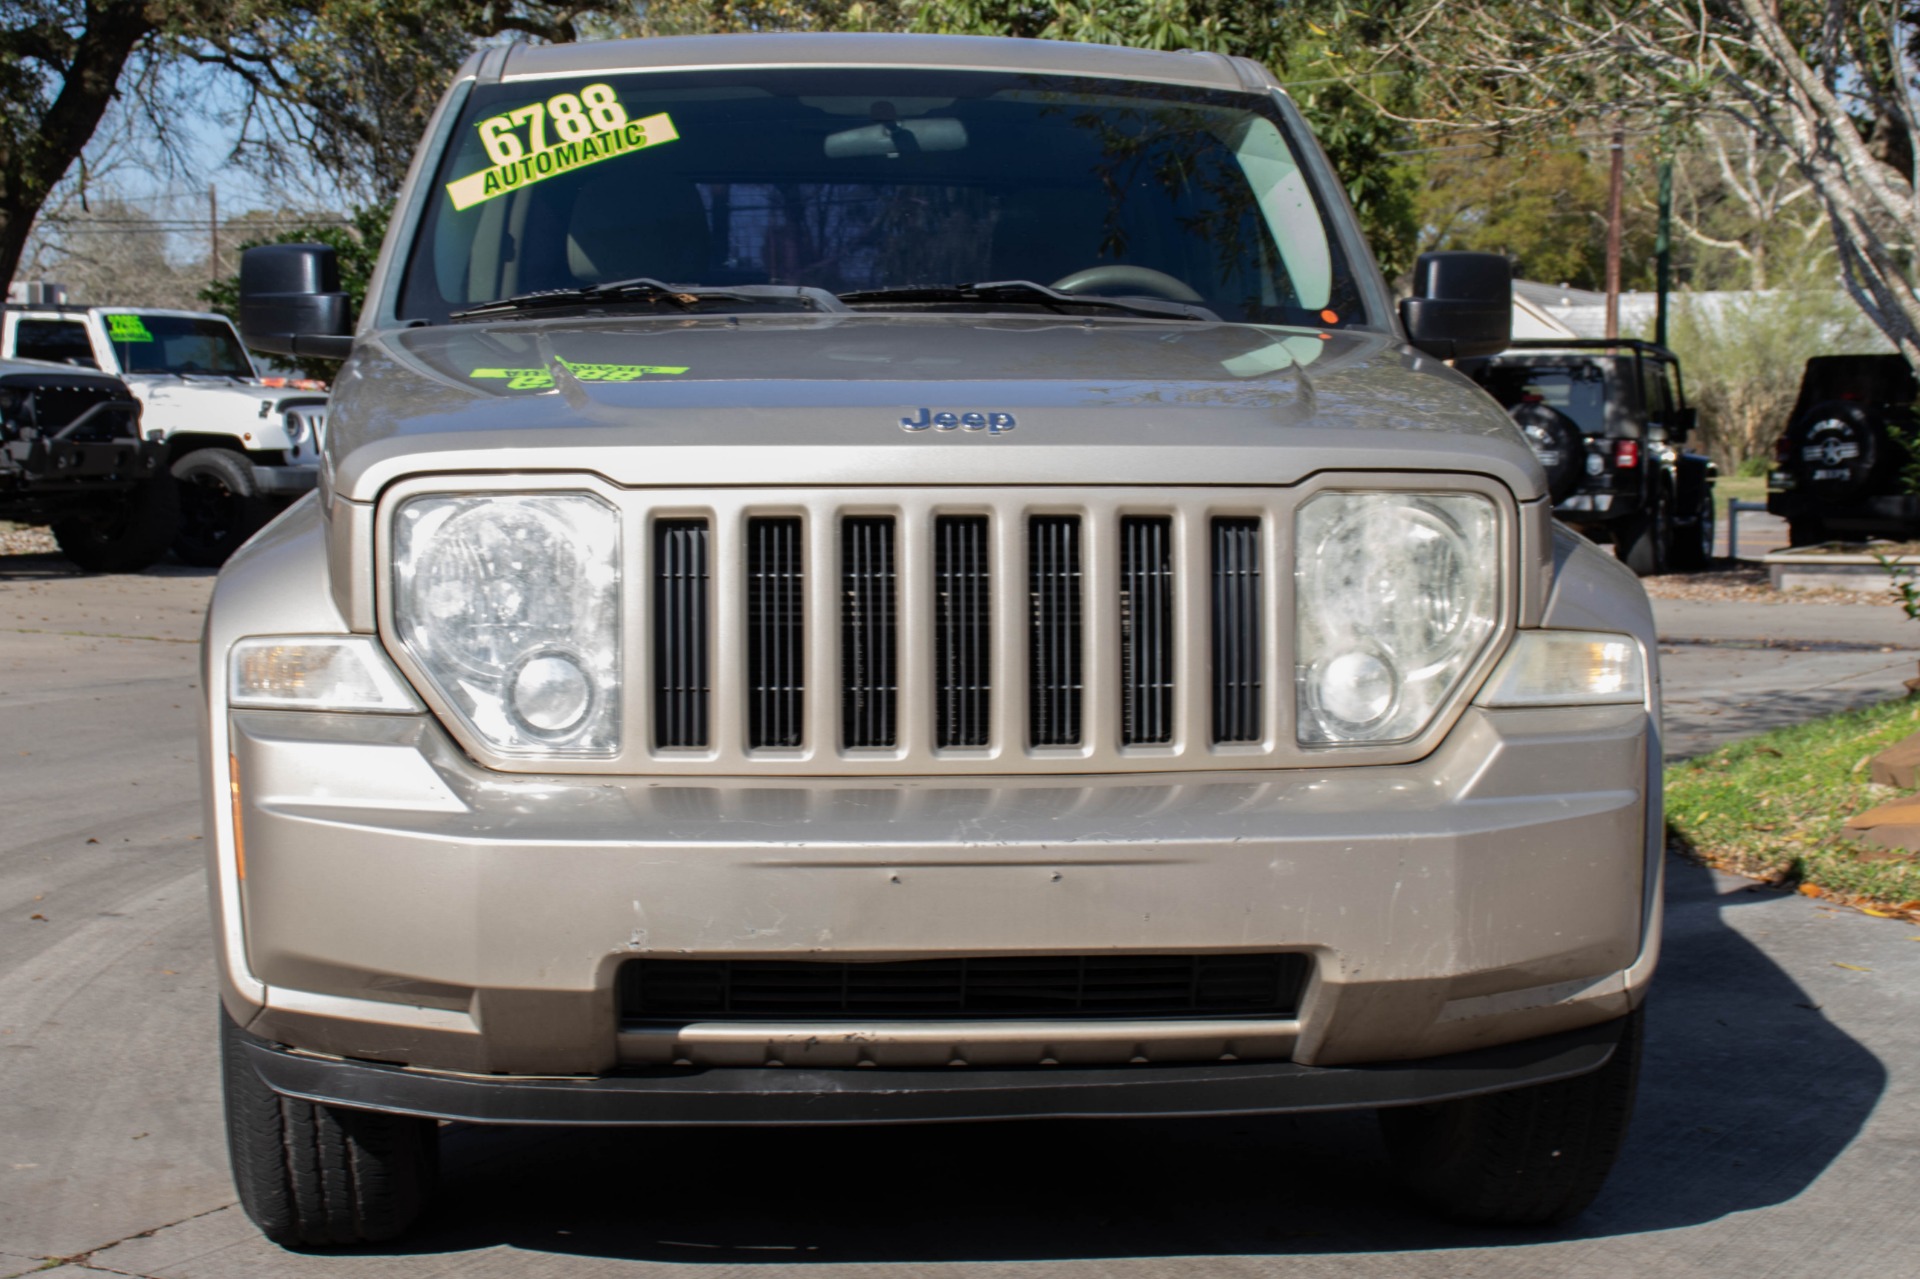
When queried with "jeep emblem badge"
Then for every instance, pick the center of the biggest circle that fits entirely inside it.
(928, 420)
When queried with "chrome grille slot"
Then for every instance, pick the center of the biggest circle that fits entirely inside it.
(680, 641)
(962, 630)
(1236, 630)
(1054, 639)
(1146, 630)
(776, 636)
(868, 642)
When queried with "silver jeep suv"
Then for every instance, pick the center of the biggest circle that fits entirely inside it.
(863, 579)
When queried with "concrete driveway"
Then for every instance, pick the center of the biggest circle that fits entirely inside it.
(1779, 1129)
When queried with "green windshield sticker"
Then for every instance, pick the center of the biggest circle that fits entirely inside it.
(542, 140)
(127, 328)
(542, 379)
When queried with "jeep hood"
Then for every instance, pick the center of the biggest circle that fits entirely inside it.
(821, 400)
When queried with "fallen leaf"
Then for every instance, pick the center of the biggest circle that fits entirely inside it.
(1877, 914)
(1851, 967)
(37, 915)
(1812, 890)
(1766, 750)
(91, 840)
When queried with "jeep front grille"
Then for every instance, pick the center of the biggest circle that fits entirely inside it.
(776, 633)
(963, 631)
(867, 639)
(680, 637)
(1053, 635)
(1011, 986)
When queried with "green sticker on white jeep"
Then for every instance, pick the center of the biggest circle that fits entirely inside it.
(127, 328)
(542, 379)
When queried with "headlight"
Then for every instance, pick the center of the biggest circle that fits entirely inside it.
(510, 604)
(1568, 668)
(314, 673)
(295, 426)
(1396, 594)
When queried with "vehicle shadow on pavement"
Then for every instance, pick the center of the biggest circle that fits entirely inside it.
(1749, 1093)
(40, 566)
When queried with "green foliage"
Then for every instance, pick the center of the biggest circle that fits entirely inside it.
(1753, 468)
(1775, 806)
(1743, 354)
(1902, 584)
(356, 246)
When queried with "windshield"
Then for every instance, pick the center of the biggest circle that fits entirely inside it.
(857, 180)
(1577, 390)
(179, 344)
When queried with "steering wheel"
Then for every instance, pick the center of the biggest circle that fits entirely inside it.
(1137, 279)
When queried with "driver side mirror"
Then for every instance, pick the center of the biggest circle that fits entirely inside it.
(1462, 304)
(1681, 422)
(291, 302)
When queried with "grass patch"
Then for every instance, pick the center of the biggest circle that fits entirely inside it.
(1774, 806)
(1728, 488)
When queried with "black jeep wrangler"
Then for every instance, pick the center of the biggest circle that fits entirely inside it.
(72, 456)
(1606, 419)
(1838, 469)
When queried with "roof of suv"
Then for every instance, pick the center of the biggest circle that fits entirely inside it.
(877, 49)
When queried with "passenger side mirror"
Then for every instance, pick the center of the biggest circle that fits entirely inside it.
(1462, 304)
(1681, 422)
(291, 302)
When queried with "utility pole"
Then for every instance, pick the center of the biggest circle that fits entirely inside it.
(1615, 182)
(1663, 250)
(213, 234)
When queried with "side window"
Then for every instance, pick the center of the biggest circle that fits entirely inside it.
(59, 341)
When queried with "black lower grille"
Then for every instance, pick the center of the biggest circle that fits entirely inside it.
(867, 639)
(1236, 630)
(1053, 647)
(1146, 630)
(776, 637)
(1020, 986)
(680, 633)
(962, 622)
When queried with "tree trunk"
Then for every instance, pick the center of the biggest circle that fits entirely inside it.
(37, 159)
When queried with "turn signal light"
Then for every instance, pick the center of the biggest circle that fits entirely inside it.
(1626, 454)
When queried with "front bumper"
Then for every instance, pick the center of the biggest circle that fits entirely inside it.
(401, 904)
(777, 1096)
(285, 481)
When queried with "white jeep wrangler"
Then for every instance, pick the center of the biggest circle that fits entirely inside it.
(239, 449)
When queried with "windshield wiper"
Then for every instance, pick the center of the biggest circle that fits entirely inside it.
(648, 290)
(1028, 291)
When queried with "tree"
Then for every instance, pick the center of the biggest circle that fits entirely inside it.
(341, 87)
(61, 65)
(1828, 84)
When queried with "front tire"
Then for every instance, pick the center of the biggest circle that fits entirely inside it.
(317, 1176)
(1693, 540)
(126, 540)
(220, 506)
(1646, 541)
(1526, 1157)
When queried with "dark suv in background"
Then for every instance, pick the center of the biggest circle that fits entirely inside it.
(1606, 419)
(1838, 467)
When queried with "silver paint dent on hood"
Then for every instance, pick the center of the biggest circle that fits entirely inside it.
(817, 400)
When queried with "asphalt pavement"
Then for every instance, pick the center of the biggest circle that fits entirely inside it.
(1778, 1131)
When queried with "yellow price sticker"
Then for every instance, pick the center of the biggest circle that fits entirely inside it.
(565, 133)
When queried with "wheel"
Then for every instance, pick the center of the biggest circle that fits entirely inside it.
(1556, 442)
(1693, 538)
(127, 537)
(1834, 448)
(1525, 1157)
(220, 507)
(1645, 541)
(314, 1176)
(1132, 279)
(1808, 530)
